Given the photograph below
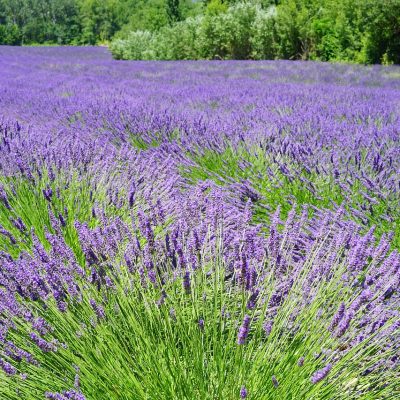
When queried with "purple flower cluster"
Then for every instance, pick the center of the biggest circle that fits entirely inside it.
(321, 374)
(244, 330)
(67, 395)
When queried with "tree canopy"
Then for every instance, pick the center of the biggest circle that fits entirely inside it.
(366, 31)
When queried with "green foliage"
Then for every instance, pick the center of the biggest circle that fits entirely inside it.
(382, 42)
(215, 35)
(139, 43)
(10, 34)
(85, 21)
(173, 11)
(239, 22)
(365, 31)
(264, 40)
(339, 30)
(215, 7)
(145, 15)
(177, 42)
(39, 21)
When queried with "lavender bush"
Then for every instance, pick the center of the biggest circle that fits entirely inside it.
(198, 230)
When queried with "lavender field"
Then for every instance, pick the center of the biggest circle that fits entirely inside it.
(197, 230)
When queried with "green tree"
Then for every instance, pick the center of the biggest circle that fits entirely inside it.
(39, 21)
(173, 11)
(383, 34)
(10, 34)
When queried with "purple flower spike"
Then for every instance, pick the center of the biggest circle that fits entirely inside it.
(98, 309)
(48, 193)
(244, 330)
(201, 324)
(186, 282)
(131, 196)
(7, 367)
(321, 374)
(43, 344)
(337, 317)
(67, 395)
(344, 324)
(243, 392)
(4, 198)
(253, 299)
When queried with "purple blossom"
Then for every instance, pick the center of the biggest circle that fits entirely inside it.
(244, 330)
(7, 367)
(43, 344)
(267, 327)
(19, 224)
(131, 196)
(48, 193)
(253, 299)
(344, 324)
(186, 282)
(98, 309)
(201, 324)
(337, 317)
(4, 197)
(62, 220)
(321, 374)
(66, 395)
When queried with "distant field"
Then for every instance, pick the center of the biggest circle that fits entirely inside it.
(197, 229)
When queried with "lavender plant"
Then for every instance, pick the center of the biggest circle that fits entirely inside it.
(197, 230)
(199, 314)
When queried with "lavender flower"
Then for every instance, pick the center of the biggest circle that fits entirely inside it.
(7, 367)
(43, 344)
(98, 309)
(253, 299)
(66, 395)
(267, 326)
(201, 324)
(204, 222)
(344, 324)
(48, 193)
(19, 224)
(4, 197)
(62, 220)
(186, 282)
(77, 382)
(131, 196)
(321, 374)
(244, 330)
(337, 317)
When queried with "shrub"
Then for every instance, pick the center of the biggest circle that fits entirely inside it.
(10, 34)
(137, 46)
(342, 30)
(263, 38)
(216, 35)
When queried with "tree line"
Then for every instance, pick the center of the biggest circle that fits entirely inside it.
(85, 21)
(366, 31)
